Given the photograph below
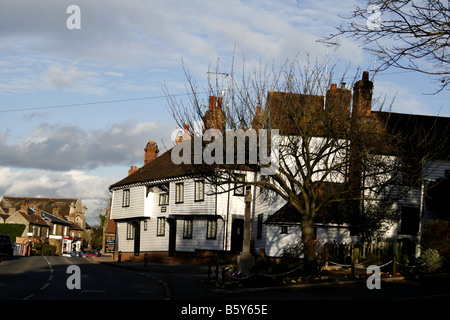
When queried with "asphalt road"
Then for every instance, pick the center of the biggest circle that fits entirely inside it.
(52, 278)
(56, 278)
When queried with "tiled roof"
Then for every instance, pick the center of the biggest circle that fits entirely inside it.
(34, 219)
(160, 168)
(45, 204)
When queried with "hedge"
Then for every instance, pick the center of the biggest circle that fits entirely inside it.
(12, 229)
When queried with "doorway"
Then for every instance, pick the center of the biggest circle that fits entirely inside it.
(137, 237)
(172, 236)
(237, 235)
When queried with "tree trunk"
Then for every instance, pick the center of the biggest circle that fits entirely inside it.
(308, 240)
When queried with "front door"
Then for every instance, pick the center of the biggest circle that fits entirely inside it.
(172, 236)
(137, 237)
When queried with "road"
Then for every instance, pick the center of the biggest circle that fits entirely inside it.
(52, 278)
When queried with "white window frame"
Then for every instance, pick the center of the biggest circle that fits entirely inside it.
(179, 192)
(126, 198)
(160, 226)
(211, 229)
(199, 190)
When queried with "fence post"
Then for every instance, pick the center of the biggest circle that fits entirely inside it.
(394, 258)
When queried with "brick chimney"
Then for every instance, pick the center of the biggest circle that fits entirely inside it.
(184, 136)
(24, 207)
(132, 170)
(338, 103)
(258, 119)
(38, 212)
(362, 97)
(151, 152)
(55, 210)
(214, 117)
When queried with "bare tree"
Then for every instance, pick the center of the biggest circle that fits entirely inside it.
(408, 34)
(333, 150)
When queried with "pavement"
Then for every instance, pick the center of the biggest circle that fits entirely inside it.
(187, 281)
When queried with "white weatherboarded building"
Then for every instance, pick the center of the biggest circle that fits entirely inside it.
(164, 212)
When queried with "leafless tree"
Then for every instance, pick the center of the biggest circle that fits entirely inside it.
(408, 34)
(334, 153)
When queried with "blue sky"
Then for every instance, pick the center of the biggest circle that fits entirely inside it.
(79, 106)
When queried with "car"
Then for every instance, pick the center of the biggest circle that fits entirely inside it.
(92, 254)
(6, 246)
(76, 254)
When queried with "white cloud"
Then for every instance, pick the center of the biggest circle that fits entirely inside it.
(117, 35)
(91, 188)
(65, 147)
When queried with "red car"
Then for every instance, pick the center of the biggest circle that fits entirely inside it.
(92, 254)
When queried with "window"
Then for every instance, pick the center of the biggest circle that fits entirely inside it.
(187, 228)
(126, 198)
(163, 199)
(211, 228)
(284, 229)
(160, 226)
(199, 190)
(179, 192)
(410, 219)
(145, 225)
(259, 227)
(239, 186)
(130, 231)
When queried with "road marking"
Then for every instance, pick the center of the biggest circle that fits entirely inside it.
(50, 278)
(44, 286)
(92, 291)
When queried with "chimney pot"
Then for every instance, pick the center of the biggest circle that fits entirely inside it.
(365, 75)
(212, 102)
(333, 86)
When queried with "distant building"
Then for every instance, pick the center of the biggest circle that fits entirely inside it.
(58, 222)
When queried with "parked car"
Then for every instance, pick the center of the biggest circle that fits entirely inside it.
(76, 254)
(92, 254)
(6, 246)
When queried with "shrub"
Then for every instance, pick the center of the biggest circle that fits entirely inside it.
(431, 260)
(436, 235)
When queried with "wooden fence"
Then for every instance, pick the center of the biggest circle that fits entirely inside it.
(369, 253)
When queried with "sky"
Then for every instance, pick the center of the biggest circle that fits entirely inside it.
(78, 105)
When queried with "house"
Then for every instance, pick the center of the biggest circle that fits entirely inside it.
(276, 225)
(167, 210)
(58, 222)
(161, 210)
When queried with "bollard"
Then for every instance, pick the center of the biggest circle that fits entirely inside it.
(119, 258)
(145, 259)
